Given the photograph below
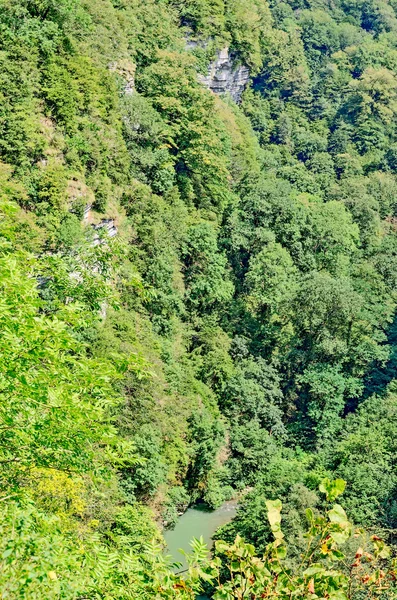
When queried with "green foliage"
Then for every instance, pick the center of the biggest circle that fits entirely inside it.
(146, 477)
(368, 433)
(206, 436)
(55, 398)
(320, 571)
(332, 489)
(205, 269)
(237, 331)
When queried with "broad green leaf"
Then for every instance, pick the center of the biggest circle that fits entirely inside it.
(274, 516)
(332, 489)
(338, 515)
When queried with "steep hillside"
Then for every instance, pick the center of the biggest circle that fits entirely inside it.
(199, 274)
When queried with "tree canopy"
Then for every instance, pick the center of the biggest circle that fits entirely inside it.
(198, 296)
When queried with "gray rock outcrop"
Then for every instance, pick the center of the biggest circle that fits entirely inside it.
(225, 76)
(106, 225)
(126, 70)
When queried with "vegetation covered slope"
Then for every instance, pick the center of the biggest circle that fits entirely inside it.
(239, 330)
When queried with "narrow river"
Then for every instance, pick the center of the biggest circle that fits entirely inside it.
(195, 522)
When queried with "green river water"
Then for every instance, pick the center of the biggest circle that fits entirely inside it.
(195, 522)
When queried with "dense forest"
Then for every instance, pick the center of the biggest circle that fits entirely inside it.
(198, 297)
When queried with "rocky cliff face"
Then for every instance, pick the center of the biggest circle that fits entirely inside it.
(126, 69)
(224, 76)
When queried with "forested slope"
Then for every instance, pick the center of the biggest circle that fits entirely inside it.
(197, 297)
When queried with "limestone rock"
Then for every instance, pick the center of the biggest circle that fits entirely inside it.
(224, 76)
(126, 70)
(107, 225)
